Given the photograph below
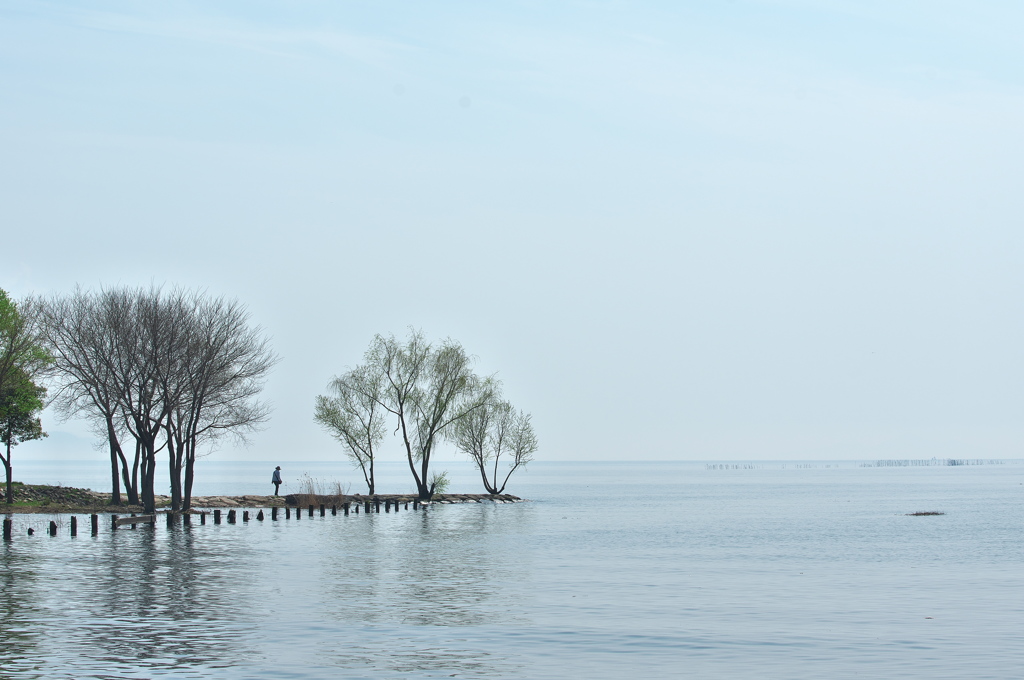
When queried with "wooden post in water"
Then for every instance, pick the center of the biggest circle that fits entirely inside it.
(367, 507)
(287, 512)
(53, 528)
(346, 509)
(396, 506)
(334, 511)
(298, 513)
(416, 504)
(202, 518)
(245, 515)
(186, 519)
(260, 516)
(113, 522)
(323, 510)
(231, 516)
(170, 520)
(310, 509)
(376, 505)
(74, 526)
(387, 505)
(357, 508)
(216, 516)
(273, 512)
(94, 520)
(407, 505)
(9, 529)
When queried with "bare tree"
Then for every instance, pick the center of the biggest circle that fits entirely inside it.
(427, 389)
(81, 332)
(492, 435)
(173, 370)
(223, 366)
(354, 416)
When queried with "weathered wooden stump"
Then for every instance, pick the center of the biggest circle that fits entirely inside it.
(202, 518)
(245, 515)
(94, 520)
(232, 517)
(323, 510)
(186, 519)
(334, 511)
(287, 513)
(74, 526)
(273, 512)
(53, 528)
(345, 507)
(8, 529)
(259, 517)
(311, 510)
(216, 516)
(113, 522)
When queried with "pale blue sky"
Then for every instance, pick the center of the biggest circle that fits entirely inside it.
(718, 230)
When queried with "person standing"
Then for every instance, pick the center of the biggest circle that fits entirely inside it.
(276, 479)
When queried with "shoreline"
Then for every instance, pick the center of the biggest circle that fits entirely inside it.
(46, 499)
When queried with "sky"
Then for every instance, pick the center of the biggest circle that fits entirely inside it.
(730, 230)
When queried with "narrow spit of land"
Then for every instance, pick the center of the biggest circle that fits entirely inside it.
(42, 498)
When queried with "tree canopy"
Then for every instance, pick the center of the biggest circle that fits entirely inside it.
(432, 394)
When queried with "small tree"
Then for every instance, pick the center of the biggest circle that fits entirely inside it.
(494, 434)
(354, 416)
(20, 402)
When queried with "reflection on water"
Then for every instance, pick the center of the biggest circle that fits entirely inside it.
(339, 593)
(609, 573)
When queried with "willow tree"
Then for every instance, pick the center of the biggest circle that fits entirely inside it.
(427, 389)
(352, 413)
(498, 439)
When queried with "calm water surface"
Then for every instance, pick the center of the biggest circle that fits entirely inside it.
(611, 570)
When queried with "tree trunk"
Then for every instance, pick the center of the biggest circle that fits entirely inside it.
(190, 473)
(135, 469)
(115, 480)
(9, 495)
(148, 475)
(483, 475)
(174, 461)
(130, 482)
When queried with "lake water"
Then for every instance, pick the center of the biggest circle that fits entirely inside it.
(612, 570)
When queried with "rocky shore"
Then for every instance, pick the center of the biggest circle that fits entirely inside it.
(35, 498)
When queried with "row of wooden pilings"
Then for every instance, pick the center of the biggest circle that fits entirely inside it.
(231, 516)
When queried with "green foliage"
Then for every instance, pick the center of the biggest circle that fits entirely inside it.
(20, 402)
(21, 350)
(439, 482)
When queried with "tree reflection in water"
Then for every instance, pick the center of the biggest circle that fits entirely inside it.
(408, 595)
